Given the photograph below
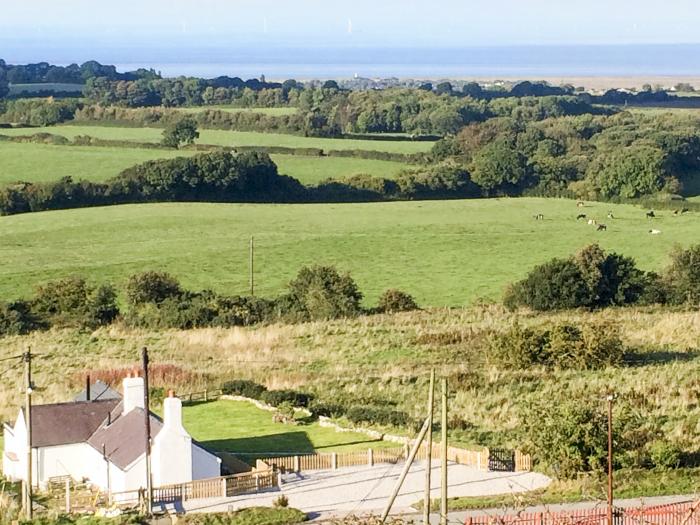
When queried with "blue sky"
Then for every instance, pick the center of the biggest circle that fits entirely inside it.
(392, 23)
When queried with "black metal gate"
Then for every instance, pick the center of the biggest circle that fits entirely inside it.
(501, 460)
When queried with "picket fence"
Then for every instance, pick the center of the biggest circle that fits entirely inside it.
(686, 513)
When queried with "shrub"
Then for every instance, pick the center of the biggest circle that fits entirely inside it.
(320, 292)
(243, 387)
(570, 436)
(281, 501)
(73, 302)
(151, 287)
(591, 279)
(589, 346)
(17, 318)
(664, 455)
(396, 301)
(379, 416)
(683, 276)
(276, 398)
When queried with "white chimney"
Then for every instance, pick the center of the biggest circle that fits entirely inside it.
(172, 413)
(133, 393)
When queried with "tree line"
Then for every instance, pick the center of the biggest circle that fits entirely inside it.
(621, 156)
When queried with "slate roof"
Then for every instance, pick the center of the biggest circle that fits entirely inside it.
(99, 391)
(68, 423)
(124, 440)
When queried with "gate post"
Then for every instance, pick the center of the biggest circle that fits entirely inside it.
(334, 461)
(370, 457)
(297, 464)
(223, 487)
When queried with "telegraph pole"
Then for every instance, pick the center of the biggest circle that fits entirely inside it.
(610, 400)
(28, 414)
(428, 459)
(443, 430)
(252, 266)
(147, 426)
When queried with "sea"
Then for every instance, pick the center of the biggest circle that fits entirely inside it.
(280, 62)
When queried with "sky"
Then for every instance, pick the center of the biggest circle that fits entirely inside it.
(309, 23)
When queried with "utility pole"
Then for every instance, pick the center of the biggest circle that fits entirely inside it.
(429, 444)
(409, 461)
(147, 426)
(28, 510)
(252, 266)
(443, 471)
(610, 400)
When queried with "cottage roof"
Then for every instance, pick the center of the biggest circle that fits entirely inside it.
(124, 439)
(68, 423)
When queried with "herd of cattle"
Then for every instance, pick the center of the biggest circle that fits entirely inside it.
(603, 227)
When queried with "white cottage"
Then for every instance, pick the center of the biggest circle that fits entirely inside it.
(102, 441)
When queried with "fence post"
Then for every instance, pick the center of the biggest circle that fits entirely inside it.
(405, 449)
(297, 464)
(370, 457)
(334, 461)
(223, 487)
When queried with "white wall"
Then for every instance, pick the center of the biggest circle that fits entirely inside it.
(172, 447)
(204, 464)
(76, 460)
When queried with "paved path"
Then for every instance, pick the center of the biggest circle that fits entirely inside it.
(366, 490)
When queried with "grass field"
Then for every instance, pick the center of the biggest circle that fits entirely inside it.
(42, 163)
(273, 112)
(229, 138)
(443, 252)
(240, 427)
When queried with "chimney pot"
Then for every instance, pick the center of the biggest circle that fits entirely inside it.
(171, 393)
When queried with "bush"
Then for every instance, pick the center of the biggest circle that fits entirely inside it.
(17, 318)
(281, 502)
(379, 416)
(591, 279)
(586, 347)
(73, 302)
(276, 398)
(151, 287)
(396, 301)
(570, 436)
(320, 292)
(664, 455)
(243, 387)
(682, 276)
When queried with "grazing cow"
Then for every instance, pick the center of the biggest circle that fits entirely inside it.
(580, 204)
(610, 215)
(651, 214)
(602, 228)
(592, 222)
(539, 217)
(655, 232)
(685, 210)
(580, 216)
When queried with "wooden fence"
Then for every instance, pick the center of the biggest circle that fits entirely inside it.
(222, 487)
(482, 459)
(203, 396)
(686, 513)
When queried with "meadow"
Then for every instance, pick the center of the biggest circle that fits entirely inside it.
(32, 162)
(445, 253)
(229, 138)
(226, 426)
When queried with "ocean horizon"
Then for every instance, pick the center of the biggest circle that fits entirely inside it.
(279, 63)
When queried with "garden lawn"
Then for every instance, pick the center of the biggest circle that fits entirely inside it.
(243, 428)
(442, 252)
(30, 162)
(228, 138)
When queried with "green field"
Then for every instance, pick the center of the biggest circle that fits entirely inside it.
(273, 112)
(31, 162)
(229, 138)
(238, 426)
(443, 252)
